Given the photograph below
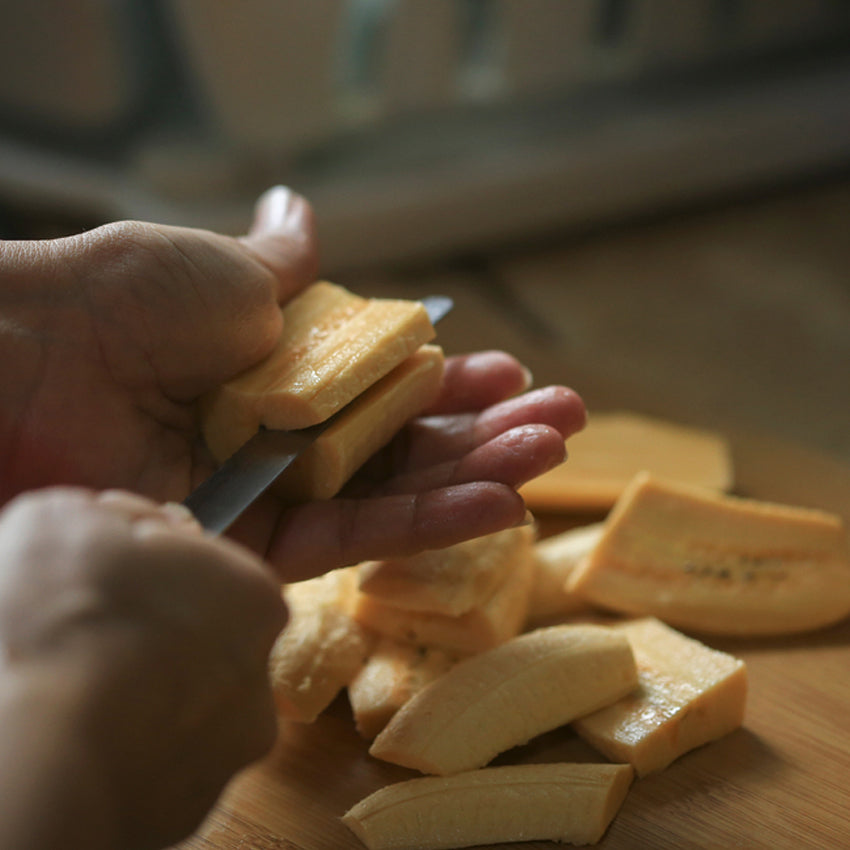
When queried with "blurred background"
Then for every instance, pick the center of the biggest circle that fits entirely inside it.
(645, 198)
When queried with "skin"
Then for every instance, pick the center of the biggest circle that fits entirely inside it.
(134, 678)
(147, 318)
(134, 646)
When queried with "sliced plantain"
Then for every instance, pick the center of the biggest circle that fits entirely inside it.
(688, 695)
(393, 673)
(614, 447)
(571, 803)
(501, 698)
(452, 580)
(367, 424)
(334, 345)
(555, 560)
(718, 564)
(322, 647)
(497, 619)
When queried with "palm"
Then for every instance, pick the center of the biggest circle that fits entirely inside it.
(101, 389)
(109, 339)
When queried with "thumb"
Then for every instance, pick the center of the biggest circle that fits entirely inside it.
(283, 238)
(192, 307)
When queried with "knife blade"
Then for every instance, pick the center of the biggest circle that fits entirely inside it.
(219, 500)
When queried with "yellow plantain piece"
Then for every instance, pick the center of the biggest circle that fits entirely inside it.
(555, 559)
(333, 346)
(321, 649)
(501, 698)
(367, 424)
(489, 624)
(614, 447)
(571, 803)
(707, 562)
(393, 673)
(452, 580)
(688, 695)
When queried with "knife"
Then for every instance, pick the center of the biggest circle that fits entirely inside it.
(253, 468)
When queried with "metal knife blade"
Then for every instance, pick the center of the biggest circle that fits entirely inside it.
(245, 475)
(253, 468)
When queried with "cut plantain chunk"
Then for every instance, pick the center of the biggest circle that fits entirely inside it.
(614, 447)
(571, 803)
(363, 427)
(707, 562)
(501, 698)
(393, 673)
(334, 345)
(488, 624)
(689, 695)
(452, 580)
(555, 560)
(321, 649)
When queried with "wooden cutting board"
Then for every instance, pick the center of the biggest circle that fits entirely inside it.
(782, 781)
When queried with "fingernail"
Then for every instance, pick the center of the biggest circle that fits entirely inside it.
(278, 208)
(528, 519)
(528, 378)
(178, 514)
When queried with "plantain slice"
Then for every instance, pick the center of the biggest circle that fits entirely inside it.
(501, 698)
(614, 447)
(488, 624)
(707, 562)
(321, 649)
(452, 580)
(334, 345)
(555, 560)
(367, 424)
(571, 803)
(689, 694)
(393, 673)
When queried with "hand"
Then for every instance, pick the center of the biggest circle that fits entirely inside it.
(450, 475)
(107, 339)
(135, 676)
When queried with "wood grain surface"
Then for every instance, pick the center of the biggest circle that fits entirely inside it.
(736, 320)
(779, 782)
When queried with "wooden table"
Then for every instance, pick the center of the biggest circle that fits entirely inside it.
(779, 782)
(783, 780)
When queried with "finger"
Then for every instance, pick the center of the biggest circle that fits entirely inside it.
(283, 238)
(181, 308)
(474, 381)
(226, 576)
(320, 536)
(436, 439)
(512, 458)
(135, 508)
